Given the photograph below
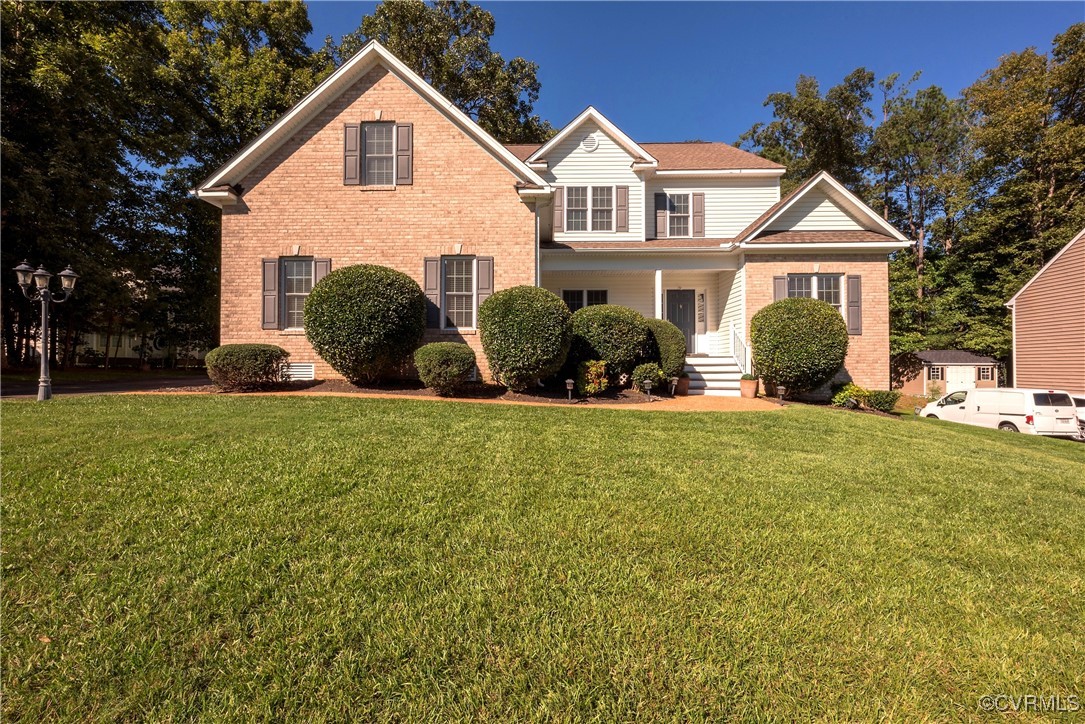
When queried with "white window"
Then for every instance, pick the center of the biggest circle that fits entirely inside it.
(986, 374)
(297, 283)
(589, 202)
(459, 292)
(579, 298)
(825, 287)
(380, 154)
(938, 373)
(678, 215)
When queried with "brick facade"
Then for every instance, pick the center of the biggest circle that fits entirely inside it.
(867, 363)
(463, 202)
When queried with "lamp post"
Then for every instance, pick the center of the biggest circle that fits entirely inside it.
(35, 286)
(569, 388)
(648, 388)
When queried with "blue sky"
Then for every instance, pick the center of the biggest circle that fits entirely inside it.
(671, 71)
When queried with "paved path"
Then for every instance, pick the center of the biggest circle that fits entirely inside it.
(134, 384)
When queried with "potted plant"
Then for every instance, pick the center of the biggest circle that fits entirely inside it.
(682, 388)
(748, 385)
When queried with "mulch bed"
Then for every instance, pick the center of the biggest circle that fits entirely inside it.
(470, 391)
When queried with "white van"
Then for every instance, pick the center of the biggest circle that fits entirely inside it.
(1037, 412)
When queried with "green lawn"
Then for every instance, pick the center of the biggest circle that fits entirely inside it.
(306, 559)
(94, 374)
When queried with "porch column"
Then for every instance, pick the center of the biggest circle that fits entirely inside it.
(659, 294)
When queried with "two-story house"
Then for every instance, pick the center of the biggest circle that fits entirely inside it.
(375, 166)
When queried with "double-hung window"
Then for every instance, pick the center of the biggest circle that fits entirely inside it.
(825, 287)
(579, 298)
(297, 283)
(678, 215)
(589, 207)
(459, 292)
(380, 154)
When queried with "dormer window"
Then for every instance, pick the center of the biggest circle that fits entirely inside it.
(576, 208)
(602, 208)
(589, 202)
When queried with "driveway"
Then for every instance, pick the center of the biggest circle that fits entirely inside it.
(134, 384)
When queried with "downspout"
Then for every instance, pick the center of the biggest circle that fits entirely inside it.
(538, 251)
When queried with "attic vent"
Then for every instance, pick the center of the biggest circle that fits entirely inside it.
(590, 143)
(299, 371)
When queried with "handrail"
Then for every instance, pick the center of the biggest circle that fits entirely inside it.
(738, 349)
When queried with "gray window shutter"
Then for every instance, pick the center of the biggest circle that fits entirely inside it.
(779, 288)
(661, 216)
(855, 305)
(559, 208)
(698, 214)
(432, 286)
(352, 154)
(321, 267)
(270, 273)
(485, 278)
(622, 208)
(404, 154)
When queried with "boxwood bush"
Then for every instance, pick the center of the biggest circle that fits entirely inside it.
(648, 371)
(244, 367)
(365, 320)
(618, 335)
(882, 400)
(667, 346)
(798, 343)
(444, 366)
(525, 335)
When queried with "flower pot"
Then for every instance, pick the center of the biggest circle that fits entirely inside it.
(748, 388)
(683, 387)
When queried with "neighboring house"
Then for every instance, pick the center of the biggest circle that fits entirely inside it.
(375, 166)
(950, 370)
(1049, 323)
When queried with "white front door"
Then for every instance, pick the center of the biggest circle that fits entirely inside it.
(960, 377)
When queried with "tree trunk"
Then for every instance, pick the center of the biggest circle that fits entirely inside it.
(108, 341)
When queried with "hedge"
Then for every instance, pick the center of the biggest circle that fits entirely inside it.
(618, 335)
(667, 346)
(798, 343)
(444, 366)
(365, 320)
(244, 367)
(525, 335)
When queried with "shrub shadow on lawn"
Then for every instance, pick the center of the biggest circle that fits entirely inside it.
(472, 391)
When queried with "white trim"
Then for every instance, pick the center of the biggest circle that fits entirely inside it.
(217, 198)
(590, 208)
(824, 177)
(474, 294)
(1035, 276)
(371, 54)
(609, 128)
(659, 294)
(800, 247)
(647, 249)
(755, 172)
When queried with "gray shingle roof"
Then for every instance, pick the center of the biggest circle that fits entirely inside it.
(953, 357)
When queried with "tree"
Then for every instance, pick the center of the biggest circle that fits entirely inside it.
(448, 44)
(813, 133)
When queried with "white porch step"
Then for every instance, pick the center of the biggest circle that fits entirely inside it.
(713, 376)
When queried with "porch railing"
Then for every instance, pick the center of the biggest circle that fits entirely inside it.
(738, 348)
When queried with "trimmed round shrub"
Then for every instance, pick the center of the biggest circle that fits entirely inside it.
(882, 400)
(798, 343)
(648, 371)
(618, 335)
(365, 320)
(525, 335)
(666, 345)
(244, 367)
(444, 366)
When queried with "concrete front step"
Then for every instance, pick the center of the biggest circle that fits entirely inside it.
(716, 393)
(713, 376)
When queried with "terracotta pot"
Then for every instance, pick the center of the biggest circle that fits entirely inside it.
(683, 387)
(748, 388)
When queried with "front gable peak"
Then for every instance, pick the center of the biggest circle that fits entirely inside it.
(641, 158)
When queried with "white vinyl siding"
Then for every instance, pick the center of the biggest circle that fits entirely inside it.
(815, 211)
(635, 290)
(731, 204)
(730, 295)
(570, 165)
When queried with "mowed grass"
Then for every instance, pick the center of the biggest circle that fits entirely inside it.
(309, 559)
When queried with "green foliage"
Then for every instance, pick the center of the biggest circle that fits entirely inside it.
(645, 372)
(591, 377)
(245, 367)
(525, 335)
(619, 335)
(448, 44)
(365, 320)
(882, 400)
(850, 395)
(935, 391)
(798, 343)
(667, 346)
(444, 366)
(748, 376)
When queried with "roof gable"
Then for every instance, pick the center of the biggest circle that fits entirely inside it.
(824, 196)
(639, 155)
(371, 55)
(1079, 239)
